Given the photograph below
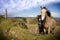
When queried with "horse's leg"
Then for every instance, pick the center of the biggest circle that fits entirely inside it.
(53, 31)
(44, 30)
(48, 30)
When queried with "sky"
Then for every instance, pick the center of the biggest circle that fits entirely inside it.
(29, 8)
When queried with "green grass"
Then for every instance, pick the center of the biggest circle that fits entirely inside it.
(16, 32)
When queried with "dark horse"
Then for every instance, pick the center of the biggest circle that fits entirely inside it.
(40, 25)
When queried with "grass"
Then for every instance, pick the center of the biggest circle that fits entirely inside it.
(18, 33)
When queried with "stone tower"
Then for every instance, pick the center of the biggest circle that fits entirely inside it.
(6, 13)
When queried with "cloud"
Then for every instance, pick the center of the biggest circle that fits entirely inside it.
(24, 4)
(54, 14)
(21, 5)
(24, 15)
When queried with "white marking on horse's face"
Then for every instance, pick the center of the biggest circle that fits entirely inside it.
(43, 13)
(43, 17)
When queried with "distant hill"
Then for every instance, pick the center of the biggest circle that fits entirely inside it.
(58, 19)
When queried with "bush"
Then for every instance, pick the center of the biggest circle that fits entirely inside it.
(1, 17)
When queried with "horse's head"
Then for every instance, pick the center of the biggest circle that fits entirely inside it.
(44, 13)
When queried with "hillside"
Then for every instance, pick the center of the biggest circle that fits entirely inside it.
(24, 29)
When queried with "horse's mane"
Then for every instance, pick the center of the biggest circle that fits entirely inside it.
(48, 13)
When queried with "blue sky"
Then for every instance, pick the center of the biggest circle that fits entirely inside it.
(29, 8)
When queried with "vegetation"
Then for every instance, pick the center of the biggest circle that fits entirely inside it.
(20, 29)
(1, 18)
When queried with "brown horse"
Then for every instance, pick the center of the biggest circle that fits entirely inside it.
(49, 22)
(49, 25)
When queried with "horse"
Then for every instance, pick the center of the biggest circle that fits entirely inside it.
(49, 24)
(40, 26)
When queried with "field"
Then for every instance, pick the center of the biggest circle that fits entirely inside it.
(25, 29)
